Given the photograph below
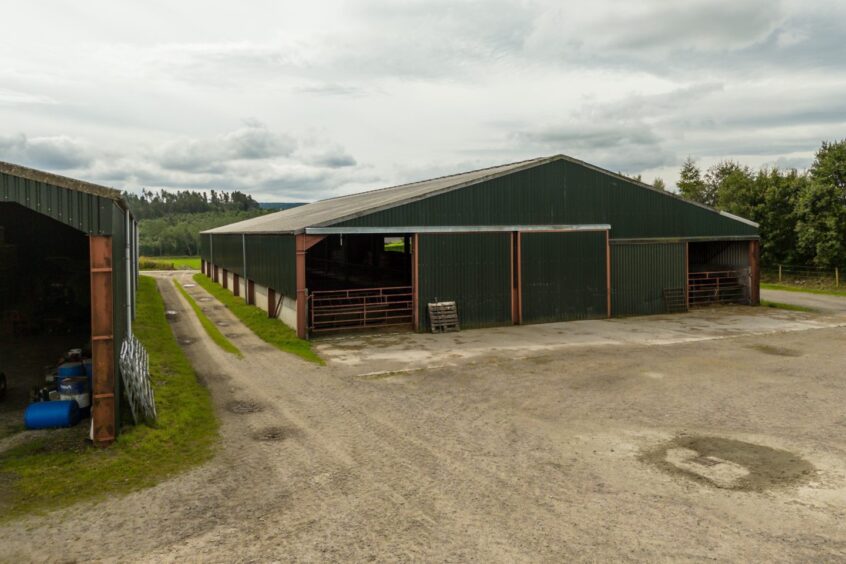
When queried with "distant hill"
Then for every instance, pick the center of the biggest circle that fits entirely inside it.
(278, 206)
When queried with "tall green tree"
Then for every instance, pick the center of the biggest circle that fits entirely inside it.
(821, 208)
(690, 184)
(659, 184)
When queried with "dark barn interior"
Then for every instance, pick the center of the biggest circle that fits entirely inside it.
(360, 280)
(44, 301)
(718, 273)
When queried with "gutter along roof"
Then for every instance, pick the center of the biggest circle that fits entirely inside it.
(331, 211)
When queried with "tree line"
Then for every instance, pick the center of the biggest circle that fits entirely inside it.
(151, 204)
(170, 222)
(802, 215)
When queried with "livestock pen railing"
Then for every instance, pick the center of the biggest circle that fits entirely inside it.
(339, 310)
(708, 287)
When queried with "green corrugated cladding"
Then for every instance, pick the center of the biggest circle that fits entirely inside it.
(562, 192)
(271, 259)
(88, 213)
(93, 215)
(472, 269)
(639, 274)
(563, 276)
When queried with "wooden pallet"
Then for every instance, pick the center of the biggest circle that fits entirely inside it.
(443, 317)
(674, 300)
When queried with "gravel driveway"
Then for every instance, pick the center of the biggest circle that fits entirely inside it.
(727, 449)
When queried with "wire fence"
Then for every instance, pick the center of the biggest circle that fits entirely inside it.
(801, 275)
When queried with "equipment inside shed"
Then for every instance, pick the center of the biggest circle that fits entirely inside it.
(719, 273)
(45, 317)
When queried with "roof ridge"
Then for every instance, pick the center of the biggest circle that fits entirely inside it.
(434, 179)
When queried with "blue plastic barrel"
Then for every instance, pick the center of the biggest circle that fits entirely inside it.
(88, 366)
(69, 369)
(77, 388)
(51, 414)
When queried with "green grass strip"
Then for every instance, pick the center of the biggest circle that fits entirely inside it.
(786, 288)
(790, 307)
(50, 472)
(212, 330)
(272, 331)
(169, 263)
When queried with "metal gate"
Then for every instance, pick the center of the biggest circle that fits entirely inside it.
(342, 310)
(718, 287)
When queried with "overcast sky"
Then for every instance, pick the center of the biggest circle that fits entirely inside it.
(297, 101)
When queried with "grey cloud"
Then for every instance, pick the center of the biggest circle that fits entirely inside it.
(251, 142)
(333, 158)
(55, 153)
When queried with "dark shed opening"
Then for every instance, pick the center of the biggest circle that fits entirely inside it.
(45, 304)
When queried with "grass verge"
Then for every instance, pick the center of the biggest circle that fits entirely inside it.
(271, 331)
(209, 326)
(790, 307)
(44, 474)
(169, 263)
(787, 288)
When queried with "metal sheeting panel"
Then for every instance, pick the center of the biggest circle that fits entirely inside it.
(472, 269)
(271, 261)
(205, 247)
(88, 213)
(563, 276)
(228, 253)
(639, 274)
(563, 192)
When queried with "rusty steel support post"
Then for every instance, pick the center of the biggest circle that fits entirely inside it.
(415, 282)
(251, 292)
(271, 301)
(215, 273)
(687, 275)
(754, 272)
(519, 261)
(608, 271)
(102, 340)
(236, 285)
(302, 249)
(515, 311)
(225, 279)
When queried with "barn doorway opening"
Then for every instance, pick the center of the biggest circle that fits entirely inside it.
(360, 281)
(45, 308)
(719, 273)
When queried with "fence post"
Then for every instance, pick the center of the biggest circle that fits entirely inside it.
(779, 274)
(836, 277)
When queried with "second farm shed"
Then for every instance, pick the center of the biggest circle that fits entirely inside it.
(549, 239)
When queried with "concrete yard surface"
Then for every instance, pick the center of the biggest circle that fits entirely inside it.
(639, 440)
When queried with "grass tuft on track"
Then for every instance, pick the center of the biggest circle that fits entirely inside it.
(209, 326)
(272, 331)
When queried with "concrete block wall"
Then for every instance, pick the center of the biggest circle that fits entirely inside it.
(288, 310)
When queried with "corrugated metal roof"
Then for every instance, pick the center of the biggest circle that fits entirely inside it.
(335, 210)
(61, 181)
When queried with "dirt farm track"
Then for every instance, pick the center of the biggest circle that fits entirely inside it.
(724, 439)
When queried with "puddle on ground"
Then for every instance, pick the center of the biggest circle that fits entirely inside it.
(776, 351)
(185, 342)
(272, 434)
(241, 407)
(204, 299)
(730, 464)
(222, 323)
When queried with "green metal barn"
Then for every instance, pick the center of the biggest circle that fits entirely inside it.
(543, 240)
(68, 268)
